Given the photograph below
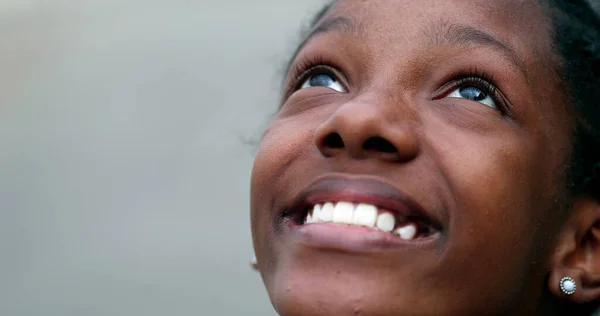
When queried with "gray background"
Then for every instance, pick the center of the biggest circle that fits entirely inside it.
(124, 180)
(123, 175)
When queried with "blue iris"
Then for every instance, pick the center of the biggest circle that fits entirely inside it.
(472, 93)
(321, 80)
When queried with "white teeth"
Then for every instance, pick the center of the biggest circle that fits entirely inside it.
(386, 222)
(365, 215)
(316, 214)
(407, 232)
(327, 212)
(343, 213)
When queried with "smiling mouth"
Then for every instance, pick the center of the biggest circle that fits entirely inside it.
(355, 212)
(343, 213)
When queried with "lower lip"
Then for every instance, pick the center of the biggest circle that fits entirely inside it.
(352, 238)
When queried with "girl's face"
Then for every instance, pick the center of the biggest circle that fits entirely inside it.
(446, 115)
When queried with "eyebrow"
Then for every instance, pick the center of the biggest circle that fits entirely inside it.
(439, 34)
(457, 34)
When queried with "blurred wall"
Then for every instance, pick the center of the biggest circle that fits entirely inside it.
(123, 170)
(124, 177)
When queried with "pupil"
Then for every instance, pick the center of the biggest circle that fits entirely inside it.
(321, 80)
(472, 93)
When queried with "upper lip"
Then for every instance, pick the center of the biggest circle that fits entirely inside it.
(334, 188)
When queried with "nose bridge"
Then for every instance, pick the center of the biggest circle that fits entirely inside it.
(373, 123)
(378, 112)
(362, 114)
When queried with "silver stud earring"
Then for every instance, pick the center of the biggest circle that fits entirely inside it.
(568, 286)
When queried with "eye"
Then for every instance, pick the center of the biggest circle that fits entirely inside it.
(474, 93)
(323, 80)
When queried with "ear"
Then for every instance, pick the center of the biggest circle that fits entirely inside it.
(577, 254)
(254, 263)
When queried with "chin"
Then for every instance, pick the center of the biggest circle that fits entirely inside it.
(315, 281)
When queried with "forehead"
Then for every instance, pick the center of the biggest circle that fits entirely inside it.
(519, 23)
(503, 9)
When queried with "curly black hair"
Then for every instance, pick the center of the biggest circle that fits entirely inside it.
(576, 37)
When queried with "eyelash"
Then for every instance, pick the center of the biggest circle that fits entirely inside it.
(481, 80)
(304, 68)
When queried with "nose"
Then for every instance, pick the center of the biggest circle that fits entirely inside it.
(364, 129)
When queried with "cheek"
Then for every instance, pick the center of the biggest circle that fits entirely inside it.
(494, 189)
(288, 138)
(499, 193)
(285, 142)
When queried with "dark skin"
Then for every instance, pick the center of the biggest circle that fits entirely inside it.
(488, 172)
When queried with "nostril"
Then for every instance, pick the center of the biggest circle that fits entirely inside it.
(379, 144)
(333, 140)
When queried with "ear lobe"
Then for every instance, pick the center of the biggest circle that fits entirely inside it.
(577, 253)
